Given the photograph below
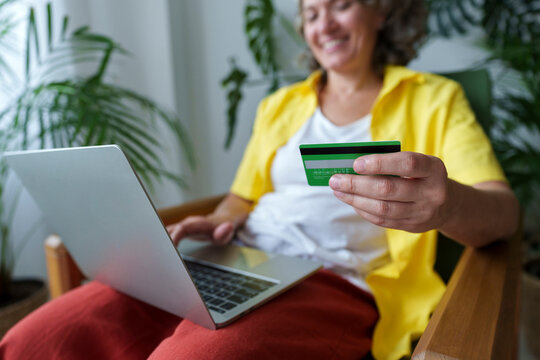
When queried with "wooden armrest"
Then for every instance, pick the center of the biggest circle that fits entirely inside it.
(64, 274)
(477, 317)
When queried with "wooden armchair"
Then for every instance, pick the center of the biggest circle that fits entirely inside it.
(477, 317)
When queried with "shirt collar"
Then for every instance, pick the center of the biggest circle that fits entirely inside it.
(393, 77)
(313, 80)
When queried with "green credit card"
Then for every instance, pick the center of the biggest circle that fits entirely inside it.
(321, 161)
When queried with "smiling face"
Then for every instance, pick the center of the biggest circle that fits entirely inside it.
(341, 34)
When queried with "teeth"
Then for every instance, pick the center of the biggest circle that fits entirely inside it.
(332, 43)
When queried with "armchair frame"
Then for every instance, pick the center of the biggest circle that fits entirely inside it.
(477, 317)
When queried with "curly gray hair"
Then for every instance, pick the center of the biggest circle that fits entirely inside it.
(400, 36)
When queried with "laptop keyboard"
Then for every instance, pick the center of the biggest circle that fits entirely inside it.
(224, 290)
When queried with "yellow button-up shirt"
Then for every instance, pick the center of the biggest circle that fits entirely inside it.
(429, 114)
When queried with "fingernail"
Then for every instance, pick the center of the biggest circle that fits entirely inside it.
(359, 165)
(334, 181)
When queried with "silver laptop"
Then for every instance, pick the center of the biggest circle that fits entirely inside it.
(93, 199)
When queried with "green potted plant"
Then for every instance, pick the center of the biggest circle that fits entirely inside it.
(59, 108)
(511, 37)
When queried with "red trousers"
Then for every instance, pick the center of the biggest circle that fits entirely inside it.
(324, 317)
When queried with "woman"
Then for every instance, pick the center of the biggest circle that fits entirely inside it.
(375, 234)
(447, 180)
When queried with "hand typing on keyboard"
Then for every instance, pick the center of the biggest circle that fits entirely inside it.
(218, 227)
(202, 228)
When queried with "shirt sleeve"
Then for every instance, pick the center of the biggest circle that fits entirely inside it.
(250, 180)
(467, 151)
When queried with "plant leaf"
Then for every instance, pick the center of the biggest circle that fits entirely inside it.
(233, 83)
(259, 16)
(453, 16)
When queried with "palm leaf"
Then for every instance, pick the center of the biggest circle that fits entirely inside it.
(87, 110)
(453, 16)
(508, 20)
(521, 167)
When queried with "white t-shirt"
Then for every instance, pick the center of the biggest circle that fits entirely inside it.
(309, 221)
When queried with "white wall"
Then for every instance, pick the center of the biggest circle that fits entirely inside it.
(180, 52)
(212, 33)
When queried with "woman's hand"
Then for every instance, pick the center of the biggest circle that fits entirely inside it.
(415, 200)
(218, 227)
(205, 228)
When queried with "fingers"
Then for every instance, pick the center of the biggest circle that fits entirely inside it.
(405, 164)
(201, 228)
(380, 208)
(192, 225)
(377, 187)
(418, 176)
(223, 233)
(413, 200)
(175, 232)
(402, 224)
(408, 216)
